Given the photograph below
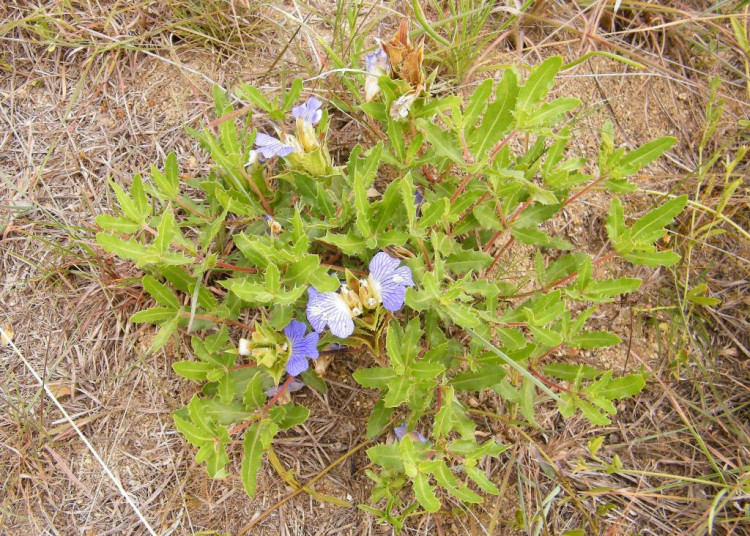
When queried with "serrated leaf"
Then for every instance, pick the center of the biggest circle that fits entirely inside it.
(443, 141)
(481, 480)
(548, 114)
(547, 337)
(649, 228)
(538, 84)
(118, 224)
(497, 118)
(398, 391)
(160, 292)
(252, 457)
(425, 493)
(129, 249)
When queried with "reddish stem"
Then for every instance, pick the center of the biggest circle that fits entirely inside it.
(274, 398)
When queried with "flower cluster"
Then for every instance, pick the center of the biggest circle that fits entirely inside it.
(385, 285)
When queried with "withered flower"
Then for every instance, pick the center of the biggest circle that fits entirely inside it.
(406, 60)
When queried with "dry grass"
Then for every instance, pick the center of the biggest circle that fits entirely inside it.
(91, 91)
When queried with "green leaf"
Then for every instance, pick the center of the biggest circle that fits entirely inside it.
(289, 415)
(466, 261)
(595, 339)
(386, 456)
(255, 396)
(613, 287)
(192, 370)
(160, 292)
(249, 93)
(375, 378)
(127, 204)
(165, 332)
(485, 377)
(117, 224)
(129, 249)
(154, 315)
(640, 157)
(652, 258)
(398, 391)
(649, 228)
(477, 103)
(169, 181)
(252, 457)
(497, 118)
(546, 336)
(526, 402)
(549, 113)
(615, 221)
(379, 419)
(481, 480)
(570, 373)
(433, 213)
(425, 493)
(443, 141)
(462, 315)
(196, 435)
(624, 387)
(538, 84)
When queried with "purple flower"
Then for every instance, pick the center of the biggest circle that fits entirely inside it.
(329, 308)
(401, 432)
(388, 281)
(302, 347)
(376, 62)
(309, 112)
(294, 386)
(268, 146)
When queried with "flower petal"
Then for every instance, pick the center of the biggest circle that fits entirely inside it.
(393, 296)
(382, 265)
(269, 146)
(309, 111)
(296, 365)
(295, 331)
(329, 308)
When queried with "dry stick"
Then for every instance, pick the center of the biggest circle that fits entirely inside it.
(309, 483)
(107, 470)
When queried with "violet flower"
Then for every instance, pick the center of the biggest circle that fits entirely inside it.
(309, 112)
(302, 347)
(268, 146)
(401, 432)
(329, 309)
(388, 281)
(376, 65)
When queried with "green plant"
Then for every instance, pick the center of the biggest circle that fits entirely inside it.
(413, 224)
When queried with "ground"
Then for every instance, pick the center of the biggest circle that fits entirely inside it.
(93, 93)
